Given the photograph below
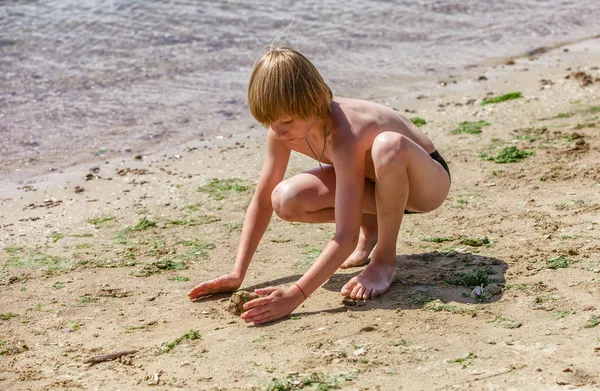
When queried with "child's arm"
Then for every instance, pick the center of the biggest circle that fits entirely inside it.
(256, 221)
(349, 169)
(260, 210)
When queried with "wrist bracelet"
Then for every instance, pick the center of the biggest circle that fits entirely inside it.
(303, 294)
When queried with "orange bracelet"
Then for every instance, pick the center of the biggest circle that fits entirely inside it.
(303, 294)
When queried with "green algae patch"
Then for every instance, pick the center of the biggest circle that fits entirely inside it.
(475, 242)
(315, 381)
(470, 127)
(558, 263)
(142, 225)
(464, 361)
(418, 121)
(8, 315)
(592, 110)
(507, 155)
(437, 239)
(159, 267)
(477, 277)
(440, 306)
(218, 187)
(190, 336)
(501, 98)
(592, 322)
(37, 260)
(557, 116)
(96, 222)
(179, 279)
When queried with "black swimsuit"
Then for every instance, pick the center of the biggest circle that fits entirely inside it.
(435, 155)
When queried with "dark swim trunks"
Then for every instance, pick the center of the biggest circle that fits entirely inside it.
(435, 155)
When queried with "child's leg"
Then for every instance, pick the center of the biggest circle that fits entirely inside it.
(309, 197)
(406, 178)
(366, 242)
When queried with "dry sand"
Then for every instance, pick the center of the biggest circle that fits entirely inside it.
(91, 267)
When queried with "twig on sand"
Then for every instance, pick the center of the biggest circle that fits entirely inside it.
(499, 373)
(507, 370)
(108, 357)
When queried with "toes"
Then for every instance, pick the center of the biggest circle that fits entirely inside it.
(354, 293)
(367, 294)
(346, 289)
(360, 292)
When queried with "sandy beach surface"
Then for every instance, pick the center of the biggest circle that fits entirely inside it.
(97, 259)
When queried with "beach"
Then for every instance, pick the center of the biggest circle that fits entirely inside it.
(497, 289)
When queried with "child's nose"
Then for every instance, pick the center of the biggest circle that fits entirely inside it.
(281, 133)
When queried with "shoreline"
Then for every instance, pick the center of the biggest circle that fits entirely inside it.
(46, 167)
(20, 172)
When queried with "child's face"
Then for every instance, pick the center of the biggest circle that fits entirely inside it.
(292, 129)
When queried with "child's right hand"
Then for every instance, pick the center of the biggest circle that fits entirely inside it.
(227, 283)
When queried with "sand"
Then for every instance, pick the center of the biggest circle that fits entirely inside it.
(98, 259)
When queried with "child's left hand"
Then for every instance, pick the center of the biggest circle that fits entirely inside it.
(276, 303)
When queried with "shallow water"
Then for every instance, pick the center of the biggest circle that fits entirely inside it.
(87, 79)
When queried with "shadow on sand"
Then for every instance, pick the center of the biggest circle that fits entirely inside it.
(421, 280)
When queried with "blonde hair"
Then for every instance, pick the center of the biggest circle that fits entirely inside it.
(284, 82)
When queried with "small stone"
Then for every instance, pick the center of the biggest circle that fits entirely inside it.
(494, 289)
(235, 305)
(353, 303)
(476, 292)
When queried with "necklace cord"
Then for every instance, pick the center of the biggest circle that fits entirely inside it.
(323, 151)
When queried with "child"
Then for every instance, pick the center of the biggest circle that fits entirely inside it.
(373, 165)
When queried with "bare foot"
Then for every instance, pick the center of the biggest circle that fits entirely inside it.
(373, 281)
(366, 242)
(226, 283)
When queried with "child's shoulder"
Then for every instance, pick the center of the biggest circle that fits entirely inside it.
(367, 110)
(363, 113)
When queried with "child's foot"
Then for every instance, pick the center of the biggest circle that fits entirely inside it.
(373, 281)
(366, 242)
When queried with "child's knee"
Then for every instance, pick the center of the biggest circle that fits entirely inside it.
(389, 149)
(285, 202)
